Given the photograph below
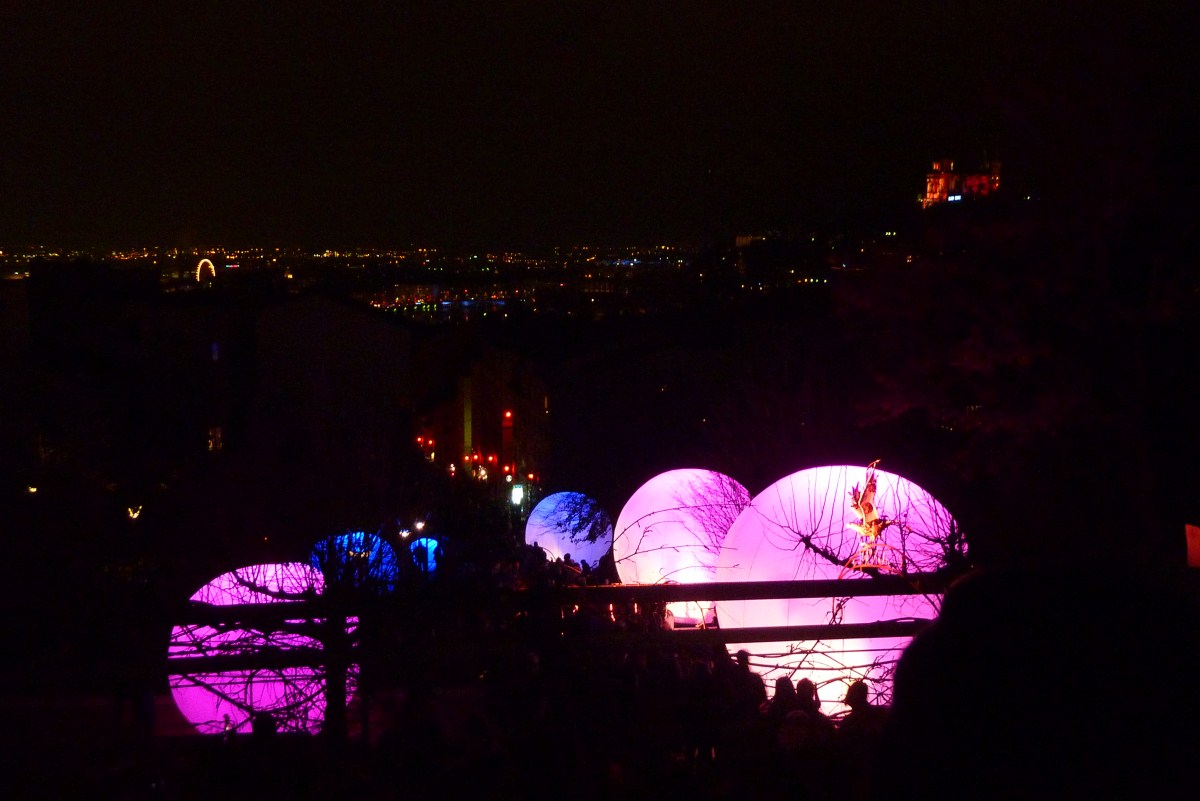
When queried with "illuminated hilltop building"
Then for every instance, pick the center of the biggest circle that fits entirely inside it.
(944, 185)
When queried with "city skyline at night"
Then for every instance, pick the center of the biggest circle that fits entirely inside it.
(807, 298)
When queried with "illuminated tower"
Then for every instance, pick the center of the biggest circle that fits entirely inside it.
(464, 390)
(940, 183)
(943, 184)
(506, 438)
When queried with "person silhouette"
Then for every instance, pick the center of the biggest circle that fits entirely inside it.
(857, 737)
(751, 690)
(784, 700)
(805, 727)
(864, 719)
(263, 726)
(1046, 682)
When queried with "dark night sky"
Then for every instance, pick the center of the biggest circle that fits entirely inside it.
(528, 123)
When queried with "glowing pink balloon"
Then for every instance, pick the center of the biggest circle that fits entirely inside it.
(803, 527)
(224, 701)
(671, 530)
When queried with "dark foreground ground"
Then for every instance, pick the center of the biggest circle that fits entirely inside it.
(83, 747)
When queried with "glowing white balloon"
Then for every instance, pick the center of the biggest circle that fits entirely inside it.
(570, 523)
(671, 530)
(810, 526)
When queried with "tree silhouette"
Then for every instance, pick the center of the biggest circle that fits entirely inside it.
(269, 663)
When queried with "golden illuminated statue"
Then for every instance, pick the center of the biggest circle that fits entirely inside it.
(873, 552)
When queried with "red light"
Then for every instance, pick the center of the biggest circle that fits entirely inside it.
(530, 476)
(507, 468)
(475, 457)
(507, 413)
(491, 457)
(420, 439)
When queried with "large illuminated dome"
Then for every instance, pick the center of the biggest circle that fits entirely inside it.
(671, 531)
(224, 700)
(821, 523)
(570, 523)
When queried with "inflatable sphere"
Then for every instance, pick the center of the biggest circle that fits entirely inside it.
(671, 530)
(224, 702)
(570, 523)
(829, 523)
(425, 553)
(356, 560)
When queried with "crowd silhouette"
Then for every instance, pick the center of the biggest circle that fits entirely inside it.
(1031, 684)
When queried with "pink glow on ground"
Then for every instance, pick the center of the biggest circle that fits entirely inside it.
(217, 702)
(799, 529)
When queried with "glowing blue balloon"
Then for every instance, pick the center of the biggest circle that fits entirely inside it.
(356, 559)
(424, 553)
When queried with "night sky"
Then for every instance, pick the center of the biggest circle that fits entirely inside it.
(534, 123)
